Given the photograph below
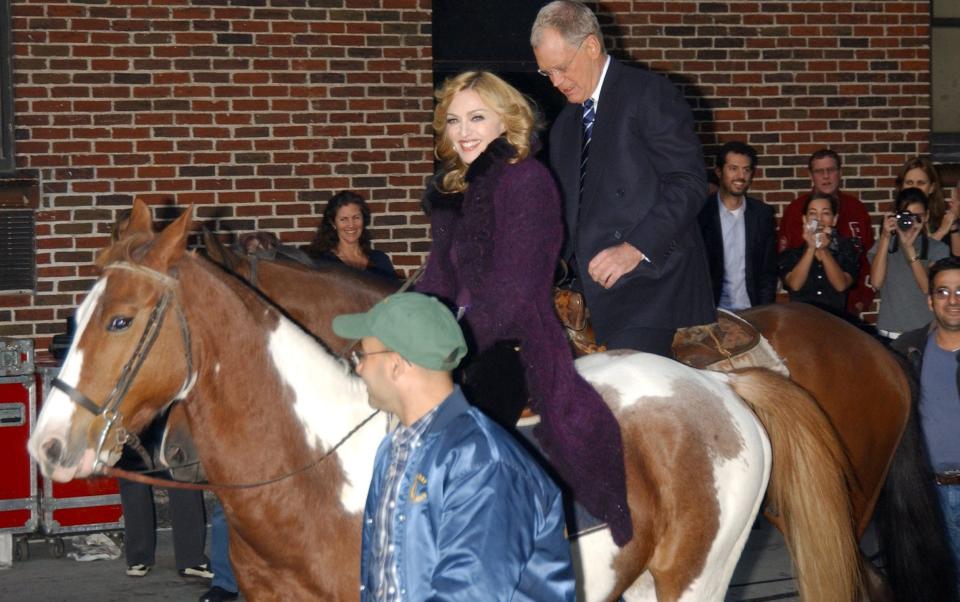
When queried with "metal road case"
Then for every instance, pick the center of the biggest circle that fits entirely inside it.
(16, 357)
(19, 510)
(80, 506)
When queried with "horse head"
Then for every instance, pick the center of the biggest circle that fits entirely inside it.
(130, 355)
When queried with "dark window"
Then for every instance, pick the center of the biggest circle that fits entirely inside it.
(7, 162)
(945, 81)
(17, 251)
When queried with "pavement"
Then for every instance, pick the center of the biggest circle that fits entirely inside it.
(44, 578)
(763, 574)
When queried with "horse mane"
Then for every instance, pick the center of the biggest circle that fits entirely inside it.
(131, 248)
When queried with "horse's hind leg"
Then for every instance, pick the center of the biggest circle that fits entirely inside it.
(698, 553)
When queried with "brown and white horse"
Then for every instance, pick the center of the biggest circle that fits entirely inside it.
(264, 400)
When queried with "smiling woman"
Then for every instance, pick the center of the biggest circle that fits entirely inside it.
(497, 229)
(343, 236)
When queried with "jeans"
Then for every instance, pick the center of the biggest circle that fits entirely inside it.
(220, 552)
(950, 503)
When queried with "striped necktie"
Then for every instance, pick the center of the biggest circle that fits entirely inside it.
(589, 116)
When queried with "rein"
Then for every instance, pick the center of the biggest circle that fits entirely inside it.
(143, 477)
(125, 437)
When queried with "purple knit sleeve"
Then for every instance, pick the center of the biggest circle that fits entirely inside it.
(437, 278)
(527, 242)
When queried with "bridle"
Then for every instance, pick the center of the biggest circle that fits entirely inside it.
(109, 409)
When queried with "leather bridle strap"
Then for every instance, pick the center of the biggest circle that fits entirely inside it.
(109, 409)
(130, 369)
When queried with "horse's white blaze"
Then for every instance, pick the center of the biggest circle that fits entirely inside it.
(330, 402)
(58, 409)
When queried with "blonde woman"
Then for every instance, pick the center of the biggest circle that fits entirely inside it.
(496, 221)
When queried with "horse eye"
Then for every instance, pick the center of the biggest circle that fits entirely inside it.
(118, 323)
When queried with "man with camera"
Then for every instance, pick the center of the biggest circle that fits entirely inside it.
(899, 264)
(852, 221)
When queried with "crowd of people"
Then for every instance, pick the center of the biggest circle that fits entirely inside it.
(623, 200)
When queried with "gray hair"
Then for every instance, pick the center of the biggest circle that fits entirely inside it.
(570, 19)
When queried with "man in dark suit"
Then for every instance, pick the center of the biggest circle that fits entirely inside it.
(740, 234)
(630, 170)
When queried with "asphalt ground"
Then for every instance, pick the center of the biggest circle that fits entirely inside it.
(764, 574)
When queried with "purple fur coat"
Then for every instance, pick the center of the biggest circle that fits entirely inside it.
(494, 251)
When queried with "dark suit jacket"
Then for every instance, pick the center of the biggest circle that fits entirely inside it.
(760, 253)
(645, 185)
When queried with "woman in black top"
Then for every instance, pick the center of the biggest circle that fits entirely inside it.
(826, 266)
(342, 236)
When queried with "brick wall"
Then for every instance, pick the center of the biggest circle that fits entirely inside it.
(792, 77)
(255, 111)
(252, 111)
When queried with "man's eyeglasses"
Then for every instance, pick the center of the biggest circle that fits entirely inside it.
(358, 355)
(943, 293)
(562, 69)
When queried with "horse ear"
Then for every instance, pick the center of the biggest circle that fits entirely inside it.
(140, 220)
(216, 251)
(171, 243)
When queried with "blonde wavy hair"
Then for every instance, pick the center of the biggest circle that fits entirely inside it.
(512, 107)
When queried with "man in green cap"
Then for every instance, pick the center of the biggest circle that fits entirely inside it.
(456, 510)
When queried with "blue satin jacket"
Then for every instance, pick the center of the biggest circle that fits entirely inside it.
(477, 518)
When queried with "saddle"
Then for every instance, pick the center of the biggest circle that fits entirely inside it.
(728, 344)
(573, 313)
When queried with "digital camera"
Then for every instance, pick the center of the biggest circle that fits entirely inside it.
(905, 220)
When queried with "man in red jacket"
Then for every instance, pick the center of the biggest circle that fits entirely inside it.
(853, 221)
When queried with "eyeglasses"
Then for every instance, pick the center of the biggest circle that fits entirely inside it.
(562, 69)
(825, 171)
(358, 355)
(943, 293)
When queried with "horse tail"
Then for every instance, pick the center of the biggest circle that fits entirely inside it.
(808, 485)
(909, 519)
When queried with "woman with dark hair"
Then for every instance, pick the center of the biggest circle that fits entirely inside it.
(343, 237)
(942, 224)
(900, 261)
(826, 266)
(495, 214)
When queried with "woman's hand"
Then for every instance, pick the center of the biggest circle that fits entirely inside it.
(809, 234)
(908, 236)
(949, 218)
(889, 226)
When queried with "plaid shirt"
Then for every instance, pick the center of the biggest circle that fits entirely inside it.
(386, 580)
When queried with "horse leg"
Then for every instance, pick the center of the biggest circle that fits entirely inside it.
(706, 491)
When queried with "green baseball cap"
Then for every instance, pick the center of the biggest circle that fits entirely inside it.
(420, 328)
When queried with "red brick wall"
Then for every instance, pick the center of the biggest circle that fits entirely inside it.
(791, 77)
(254, 112)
